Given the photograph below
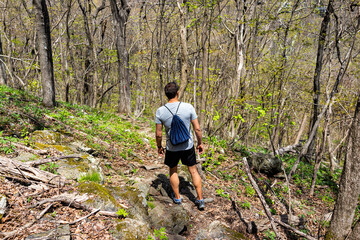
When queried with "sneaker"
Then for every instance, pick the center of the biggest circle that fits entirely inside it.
(200, 204)
(176, 201)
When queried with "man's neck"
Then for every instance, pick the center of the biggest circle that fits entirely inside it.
(175, 99)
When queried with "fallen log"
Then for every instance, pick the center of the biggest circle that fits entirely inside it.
(19, 170)
(289, 149)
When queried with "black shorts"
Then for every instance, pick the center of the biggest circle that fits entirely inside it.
(187, 157)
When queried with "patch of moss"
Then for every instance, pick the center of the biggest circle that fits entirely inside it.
(60, 148)
(98, 190)
(234, 235)
(80, 165)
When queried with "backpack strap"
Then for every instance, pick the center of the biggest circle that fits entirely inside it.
(169, 110)
(176, 109)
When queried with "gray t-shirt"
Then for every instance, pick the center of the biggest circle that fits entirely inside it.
(186, 112)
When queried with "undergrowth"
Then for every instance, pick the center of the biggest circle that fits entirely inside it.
(22, 113)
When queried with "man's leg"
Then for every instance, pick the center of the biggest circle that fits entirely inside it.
(174, 182)
(196, 180)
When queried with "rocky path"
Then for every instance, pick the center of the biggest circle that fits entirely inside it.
(139, 184)
(217, 221)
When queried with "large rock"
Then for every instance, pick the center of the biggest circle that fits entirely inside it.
(217, 230)
(48, 137)
(265, 163)
(132, 229)
(175, 218)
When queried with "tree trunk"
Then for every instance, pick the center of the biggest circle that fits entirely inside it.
(159, 56)
(318, 68)
(3, 77)
(239, 48)
(140, 94)
(120, 16)
(349, 189)
(301, 129)
(355, 232)
(45, 52)
(319, 154)
(205, 59)
(184, 53)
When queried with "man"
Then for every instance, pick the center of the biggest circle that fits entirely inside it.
(184, 151)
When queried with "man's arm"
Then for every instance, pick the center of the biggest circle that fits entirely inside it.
(198, 134)
(158, 133)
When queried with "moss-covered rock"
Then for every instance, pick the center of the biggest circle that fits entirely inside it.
(217, 230)
(132, 229)
(137, 200)
(48, 137)
(175, 219)
(100, 196)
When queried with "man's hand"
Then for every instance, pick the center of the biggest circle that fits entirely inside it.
(200, 148)
(161, 151)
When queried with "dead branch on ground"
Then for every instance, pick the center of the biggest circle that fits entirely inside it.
(52, 159)
(267, 209)
(76, 201)
(18, 170)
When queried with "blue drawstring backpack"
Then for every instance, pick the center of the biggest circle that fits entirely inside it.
(178, 131)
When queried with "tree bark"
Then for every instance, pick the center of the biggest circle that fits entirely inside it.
(205, 60)
(45, 52)
(318, 68)
(355, 232)
(3, 77)
(349, 189)
(120, 16)
(184, 53)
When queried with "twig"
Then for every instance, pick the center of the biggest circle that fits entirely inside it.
(53, 159)
(294, 229)
(20, 171)
(82, 218)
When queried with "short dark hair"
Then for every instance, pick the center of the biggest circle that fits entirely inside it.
(171, 90)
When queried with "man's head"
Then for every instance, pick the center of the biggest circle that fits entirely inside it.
(171, 89)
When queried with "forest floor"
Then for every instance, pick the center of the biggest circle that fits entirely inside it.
(230, 196)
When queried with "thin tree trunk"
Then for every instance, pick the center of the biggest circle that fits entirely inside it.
(184, 52)
(120, 16)
(349, 189)
(3, 77)
(159, 56)
(301, 129)
(205, 59)
(139, 103)
(239, 48)
(319, 154)
(45, 52)
(318, 68)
